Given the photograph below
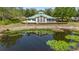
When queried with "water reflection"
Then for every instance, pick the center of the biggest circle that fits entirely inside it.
(25, 42)
(7, 41)
(33, 33)
(61, 35)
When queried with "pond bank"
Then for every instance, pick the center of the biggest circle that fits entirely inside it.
(57, 27)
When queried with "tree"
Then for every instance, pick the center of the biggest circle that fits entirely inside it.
(8, 12)
(77, 14)
(10, 15)
(30, 12)
(48, 11)
(65, 13)
(4, 13)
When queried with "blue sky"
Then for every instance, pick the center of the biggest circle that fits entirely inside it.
(39, 8)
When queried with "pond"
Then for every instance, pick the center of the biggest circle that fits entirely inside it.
(30, 41)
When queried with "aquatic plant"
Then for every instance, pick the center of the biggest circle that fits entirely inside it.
(75, 32)
(36, 31)
(73, 45)
(62, 45)
(58, 45)
(72, 37)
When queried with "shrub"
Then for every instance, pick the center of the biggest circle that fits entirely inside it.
(15, 20)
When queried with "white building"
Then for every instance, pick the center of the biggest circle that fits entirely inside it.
(75, 18)
(41, 18)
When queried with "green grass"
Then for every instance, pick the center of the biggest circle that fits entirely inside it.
(7, 21)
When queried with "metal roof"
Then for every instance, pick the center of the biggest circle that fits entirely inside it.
(41, 14)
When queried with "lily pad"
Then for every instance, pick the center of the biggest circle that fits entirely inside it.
(58, 45)
(72, 37)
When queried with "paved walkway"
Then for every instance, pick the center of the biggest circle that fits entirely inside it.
(37, 26)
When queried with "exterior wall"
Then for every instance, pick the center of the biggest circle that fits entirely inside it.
(41, 20)
(31, 21)
(75, 18)
(50, 20)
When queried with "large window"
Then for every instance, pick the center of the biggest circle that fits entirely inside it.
(33, 19)
(41, 19)
(49, 19)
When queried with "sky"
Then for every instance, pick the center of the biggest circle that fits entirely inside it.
(38, 8)
(43, 8)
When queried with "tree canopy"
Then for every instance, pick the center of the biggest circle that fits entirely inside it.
(62, 13)
(65, 12)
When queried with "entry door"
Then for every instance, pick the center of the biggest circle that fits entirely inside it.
(40, 19)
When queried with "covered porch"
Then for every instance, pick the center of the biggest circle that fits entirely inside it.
(41, 18)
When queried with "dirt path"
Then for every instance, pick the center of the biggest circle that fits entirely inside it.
(37, 26)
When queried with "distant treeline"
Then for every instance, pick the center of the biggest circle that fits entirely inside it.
(63, 13)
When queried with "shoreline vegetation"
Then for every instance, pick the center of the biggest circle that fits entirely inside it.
(34, 31)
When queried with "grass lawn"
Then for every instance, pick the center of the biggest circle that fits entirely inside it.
(7, 21)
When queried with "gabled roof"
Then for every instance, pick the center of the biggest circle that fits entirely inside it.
(41, 14)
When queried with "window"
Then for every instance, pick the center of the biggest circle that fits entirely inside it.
(33, 19)
(50, 19)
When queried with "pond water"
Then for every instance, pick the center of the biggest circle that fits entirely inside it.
(29, 41)
(26, 42)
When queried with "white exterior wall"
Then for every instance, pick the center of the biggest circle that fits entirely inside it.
(31, 21)
(39, 20)
(45, 20)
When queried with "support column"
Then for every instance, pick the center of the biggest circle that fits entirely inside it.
(42, 19)
(45, 20)
(36, 20)
(39, 19)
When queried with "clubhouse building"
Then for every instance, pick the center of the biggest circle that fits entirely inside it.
(41, 18)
